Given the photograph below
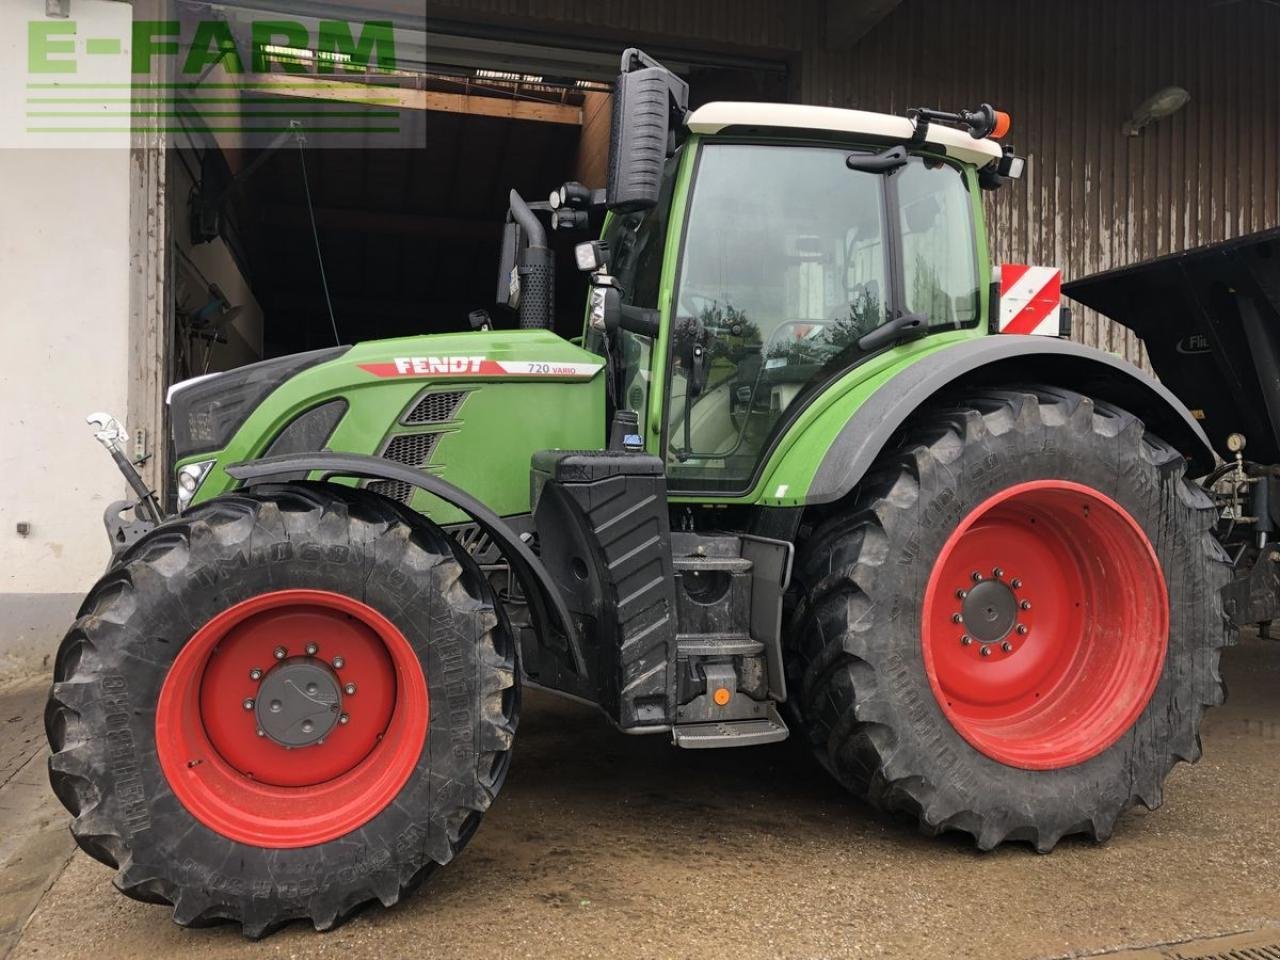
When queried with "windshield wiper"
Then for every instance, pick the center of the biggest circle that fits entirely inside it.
(905, 326)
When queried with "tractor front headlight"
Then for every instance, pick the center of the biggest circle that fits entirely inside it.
(189, 479)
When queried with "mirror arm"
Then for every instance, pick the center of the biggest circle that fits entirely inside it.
(633, 58)
(639, 320)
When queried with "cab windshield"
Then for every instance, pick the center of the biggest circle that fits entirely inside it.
(790, 257)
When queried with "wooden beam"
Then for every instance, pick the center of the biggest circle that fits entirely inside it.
(385, 223)
(848, 21)
(302, 87)
(504, 107)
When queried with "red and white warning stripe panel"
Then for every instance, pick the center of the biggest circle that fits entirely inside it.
(1030, 299)
(481, 367)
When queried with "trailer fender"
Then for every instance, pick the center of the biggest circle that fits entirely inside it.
(1003, 360)
(544, 597)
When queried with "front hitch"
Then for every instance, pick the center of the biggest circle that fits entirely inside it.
(146, 510)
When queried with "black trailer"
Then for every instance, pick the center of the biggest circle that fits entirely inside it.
(1210, 319)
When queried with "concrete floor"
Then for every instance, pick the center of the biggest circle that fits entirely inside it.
(619, 847)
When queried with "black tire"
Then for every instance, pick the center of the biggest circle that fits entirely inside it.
(856, 665)
(100, 718)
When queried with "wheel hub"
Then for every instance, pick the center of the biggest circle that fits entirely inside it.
(299, 702)
(1045, 622)
(989, 611)
(342, 681)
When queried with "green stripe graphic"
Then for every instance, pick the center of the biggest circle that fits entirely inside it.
(317, 84)
(147, 129)
(244, 114)
(265, 101)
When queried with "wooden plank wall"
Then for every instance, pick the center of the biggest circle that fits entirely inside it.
(593, 146)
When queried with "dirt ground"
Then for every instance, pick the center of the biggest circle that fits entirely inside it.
(617, 847)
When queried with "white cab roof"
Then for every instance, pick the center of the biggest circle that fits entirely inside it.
(715, 117)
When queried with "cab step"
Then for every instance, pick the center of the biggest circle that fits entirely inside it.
(731, 733)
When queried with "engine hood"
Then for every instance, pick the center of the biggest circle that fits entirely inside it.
(469, 407)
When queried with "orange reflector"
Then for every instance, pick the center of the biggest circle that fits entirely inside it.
(1003, 122)
(721, 696)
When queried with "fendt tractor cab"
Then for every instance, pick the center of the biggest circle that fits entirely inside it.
(803, 473)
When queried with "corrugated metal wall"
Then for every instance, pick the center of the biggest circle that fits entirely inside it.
(1070, 73)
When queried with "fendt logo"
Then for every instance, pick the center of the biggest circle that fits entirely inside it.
(54, 46)
(428, 365)
(1194, 343)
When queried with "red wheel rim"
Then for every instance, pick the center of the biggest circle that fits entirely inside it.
(252, 788)
(1063, 676)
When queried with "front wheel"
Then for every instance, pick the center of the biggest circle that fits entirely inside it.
(282, 704)
(1016, 628)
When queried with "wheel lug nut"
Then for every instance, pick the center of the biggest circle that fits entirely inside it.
(338, 663)
(977, 577)
(307, 726)
(311, 649)
(344, 719)
(956, 618)
(255, 674)
(1022, 629)
(966, 640)
(248, 703)
(1007, 647)
(1025, 604)
(1015, 583)
(985, 650)
(961, 594)
(280, 653)
(349, 689)
(997, 573)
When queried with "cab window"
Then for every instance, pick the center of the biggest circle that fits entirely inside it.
(939, 263)
(784, 268)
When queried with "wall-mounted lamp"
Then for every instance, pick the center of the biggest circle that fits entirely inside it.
(1163, 103)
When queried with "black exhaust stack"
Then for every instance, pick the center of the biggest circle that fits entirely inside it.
(535, 269)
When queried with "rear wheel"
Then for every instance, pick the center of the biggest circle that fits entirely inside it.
(283, 704)
(1015, 629)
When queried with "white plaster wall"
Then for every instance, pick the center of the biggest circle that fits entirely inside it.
(64, 320)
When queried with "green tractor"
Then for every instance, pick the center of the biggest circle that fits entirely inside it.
(800, 475)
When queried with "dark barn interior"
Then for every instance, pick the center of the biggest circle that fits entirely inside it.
(408, 227)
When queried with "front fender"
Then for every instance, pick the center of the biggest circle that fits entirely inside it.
(839, 447)
(542, 592)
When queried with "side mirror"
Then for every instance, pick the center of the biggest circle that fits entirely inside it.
(644, 97)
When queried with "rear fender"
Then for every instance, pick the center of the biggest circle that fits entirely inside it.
(1001, 360)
